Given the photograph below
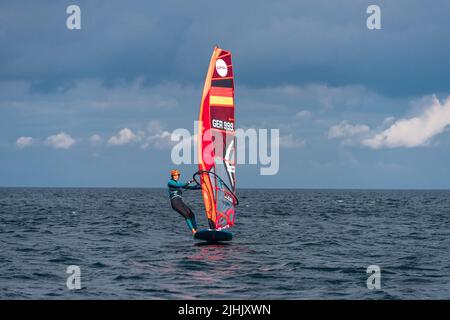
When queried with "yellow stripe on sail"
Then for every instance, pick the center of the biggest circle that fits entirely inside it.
(223, 101)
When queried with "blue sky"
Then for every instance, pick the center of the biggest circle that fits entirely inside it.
(356, 108)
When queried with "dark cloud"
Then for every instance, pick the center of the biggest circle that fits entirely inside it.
(135, 62)
(275, 43)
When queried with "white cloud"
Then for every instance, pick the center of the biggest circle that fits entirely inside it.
(157, 137)
(347, 131)
(60, 141)
(154, 136)
(415, 131)
(24, 142)
(154, 126)
(95, 139)
(388, 121)
(124, 136)
(290, 142)
(303, 114)
(158, 140)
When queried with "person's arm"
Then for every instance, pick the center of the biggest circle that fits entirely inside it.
(177, 184)
(194, 187)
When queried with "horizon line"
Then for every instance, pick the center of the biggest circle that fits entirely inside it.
(243, 188)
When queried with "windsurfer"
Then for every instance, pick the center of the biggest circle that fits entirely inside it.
(175, 194)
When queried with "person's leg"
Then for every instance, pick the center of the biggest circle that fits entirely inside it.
(191, 225)
(179, 206)
(191, 215)
(194, 222)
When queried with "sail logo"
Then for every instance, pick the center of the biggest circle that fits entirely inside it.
(225, 125)
(221, 68)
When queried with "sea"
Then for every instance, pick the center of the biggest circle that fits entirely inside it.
(92, 243)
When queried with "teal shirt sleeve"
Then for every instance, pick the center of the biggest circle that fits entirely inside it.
(177, 184)
(193, 187)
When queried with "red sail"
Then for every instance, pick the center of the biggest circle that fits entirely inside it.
(216, 141)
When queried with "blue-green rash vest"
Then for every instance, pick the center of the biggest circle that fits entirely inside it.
(175, 188)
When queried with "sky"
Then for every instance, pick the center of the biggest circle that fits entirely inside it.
(355, 108)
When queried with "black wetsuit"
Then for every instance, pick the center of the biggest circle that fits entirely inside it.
(176, 200)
